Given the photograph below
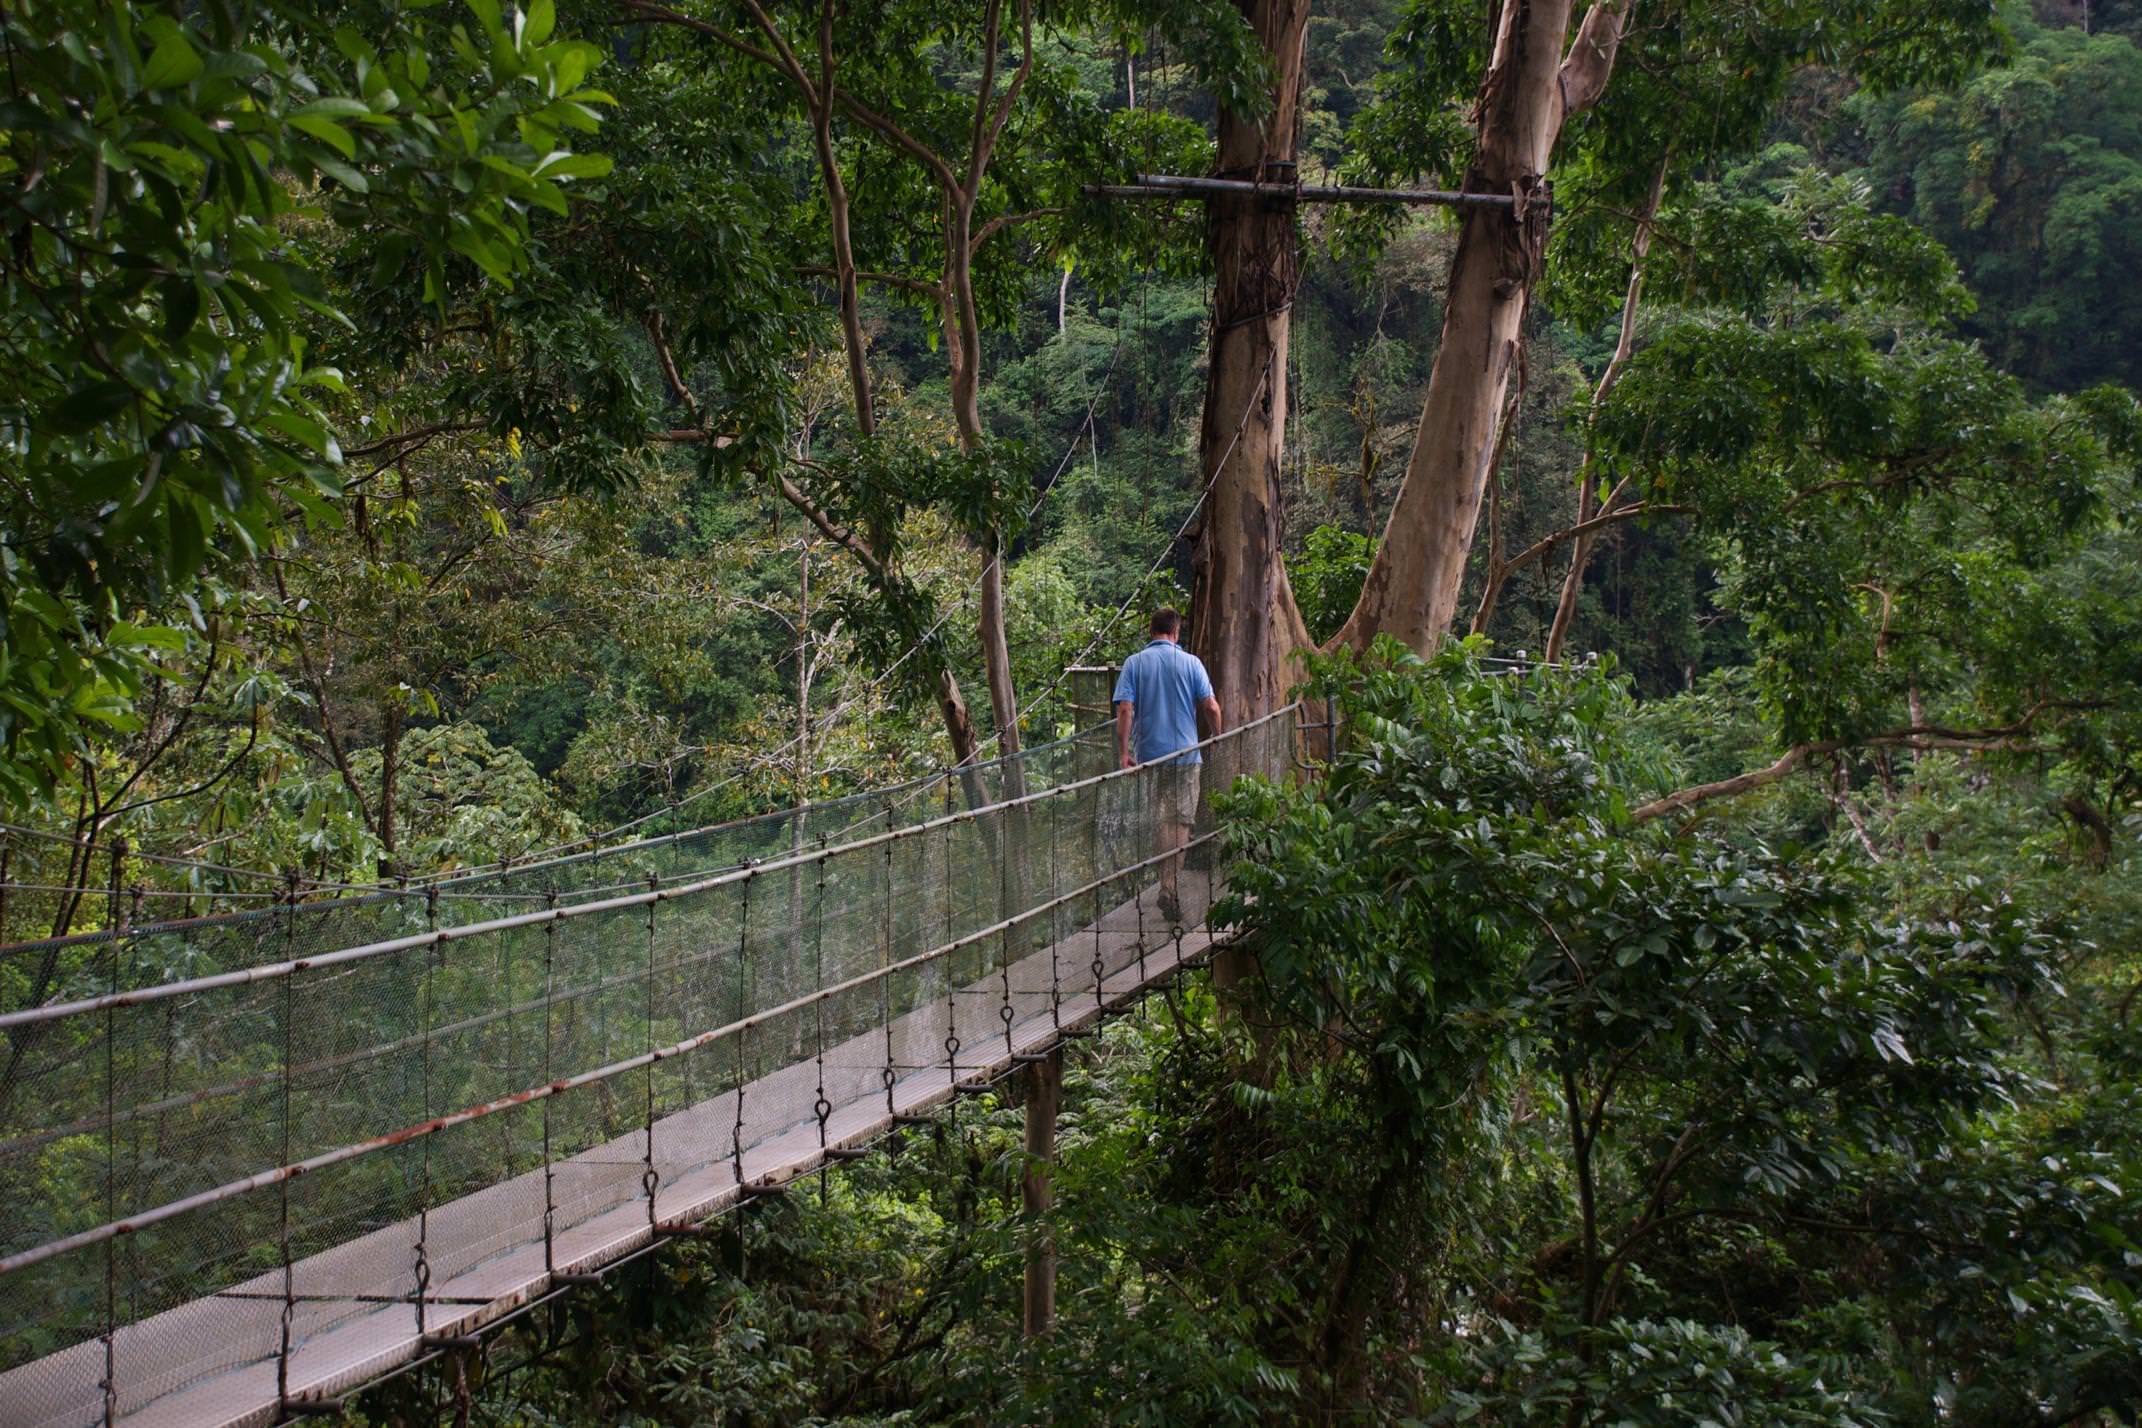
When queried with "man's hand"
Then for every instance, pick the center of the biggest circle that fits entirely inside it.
(1128, 761)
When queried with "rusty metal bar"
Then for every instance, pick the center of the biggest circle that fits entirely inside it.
(1178, 186)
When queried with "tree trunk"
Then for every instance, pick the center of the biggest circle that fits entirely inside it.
(1412, 586)
(963, 348)
(1246, 626)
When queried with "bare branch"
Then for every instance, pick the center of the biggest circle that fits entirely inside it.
(1546, 543)
(997, 225)
(978, 145)
(923, 154)
(662, 14)
(986, 134)
(840, 535)
(891, 280)
(658, 334)
(414, 436)
(1917, 736)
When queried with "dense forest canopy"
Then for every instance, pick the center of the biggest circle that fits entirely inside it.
(1697, 982)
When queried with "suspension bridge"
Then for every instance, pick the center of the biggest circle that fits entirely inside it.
(254, 1163)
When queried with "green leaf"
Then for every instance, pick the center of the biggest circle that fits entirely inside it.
(182, 306)
(343, 174)
(571, 166)
(87, 408)
(541, 19)
(335, 107)
(172, 64)
(161, 637)
(327, 131)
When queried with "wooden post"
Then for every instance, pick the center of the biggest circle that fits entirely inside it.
(1045, 1085)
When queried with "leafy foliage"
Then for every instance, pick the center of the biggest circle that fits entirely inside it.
(166, 178)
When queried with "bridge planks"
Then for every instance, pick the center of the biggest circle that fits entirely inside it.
(200, 1365)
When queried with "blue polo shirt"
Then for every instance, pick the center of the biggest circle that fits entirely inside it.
(1163, 683)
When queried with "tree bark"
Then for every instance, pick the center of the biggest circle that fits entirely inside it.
(1531, 89)
(1246, 626)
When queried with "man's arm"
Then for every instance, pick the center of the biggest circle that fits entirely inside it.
(1210, 707)
(1123, 722)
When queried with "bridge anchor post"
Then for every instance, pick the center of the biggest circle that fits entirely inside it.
(1045, 1085)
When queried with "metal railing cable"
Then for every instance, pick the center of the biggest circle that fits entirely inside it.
(311, 1167)
(439, 936)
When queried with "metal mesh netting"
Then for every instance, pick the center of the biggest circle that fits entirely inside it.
(69, 967)
(477, 1106)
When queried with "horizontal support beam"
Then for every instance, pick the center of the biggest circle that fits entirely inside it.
(1178, 186)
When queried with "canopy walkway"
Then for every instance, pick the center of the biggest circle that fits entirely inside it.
(253, 1163)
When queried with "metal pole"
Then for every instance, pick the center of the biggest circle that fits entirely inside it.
(743, 1009)
(650, 1178)
(1182, 186)
(117, 921)
(822, 1108)
(550, 1199)
(423, 1244)
(289, 1314)
(885, 947)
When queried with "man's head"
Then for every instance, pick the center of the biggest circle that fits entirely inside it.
(1166, 625)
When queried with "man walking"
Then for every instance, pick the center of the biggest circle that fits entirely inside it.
(1159, 695)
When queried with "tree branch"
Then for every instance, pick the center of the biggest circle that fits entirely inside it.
(1916, 736)
(891, 280)
(658, 334)
(662, 14)
(997, 225)
(319, 695)
(987, 131)
(1546, 544)
(923, 154)
(412, 436)
(840, 535)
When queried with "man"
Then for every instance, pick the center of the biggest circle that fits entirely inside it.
(1162, 690)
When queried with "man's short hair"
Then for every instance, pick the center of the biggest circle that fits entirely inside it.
(1166, 622)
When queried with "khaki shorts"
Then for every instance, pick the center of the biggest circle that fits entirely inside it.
(1175, 793)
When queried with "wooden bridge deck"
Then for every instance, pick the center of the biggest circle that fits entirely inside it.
(202, 1365)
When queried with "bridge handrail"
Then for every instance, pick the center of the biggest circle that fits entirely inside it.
(58, 1011)
(261, 1180)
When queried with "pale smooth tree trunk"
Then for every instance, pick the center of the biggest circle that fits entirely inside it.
(1531, 89)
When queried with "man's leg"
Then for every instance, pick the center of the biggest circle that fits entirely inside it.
(1178, 811)
(1173, 833)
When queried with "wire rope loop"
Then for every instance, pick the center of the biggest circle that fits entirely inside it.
(823, 1109)
(650, 1179)
(889, 1077)
(1005, 1011)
